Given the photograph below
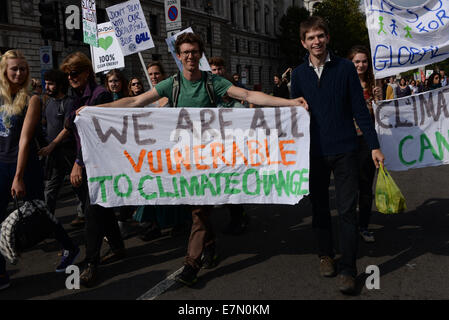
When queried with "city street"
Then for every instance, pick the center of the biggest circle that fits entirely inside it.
(274, 260)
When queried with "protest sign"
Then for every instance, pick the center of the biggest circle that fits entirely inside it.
(406, 38)
(130, 27)
(195, 155)
(414, 131)
(108, 55)
(204, 64)
(89, 22)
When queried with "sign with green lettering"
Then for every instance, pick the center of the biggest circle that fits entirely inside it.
(195, 155)
(414, 131)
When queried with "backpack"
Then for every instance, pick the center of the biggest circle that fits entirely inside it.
(176, 88)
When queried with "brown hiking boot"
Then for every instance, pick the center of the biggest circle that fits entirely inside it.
(88, 277)
(113, 256)
(346, 283)
(327, 268)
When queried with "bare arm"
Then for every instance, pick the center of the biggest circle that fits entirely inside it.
(131, 102)
(260, 98)
(32, 118)
(45, 151)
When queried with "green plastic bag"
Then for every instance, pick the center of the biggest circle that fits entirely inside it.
(389, 198)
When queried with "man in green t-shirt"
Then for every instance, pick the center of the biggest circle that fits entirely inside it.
(194, 91)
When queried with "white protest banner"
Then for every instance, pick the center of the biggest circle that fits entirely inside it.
(90, 35)
(173, 15)
(406, 38)
(195, 155)
(204, 64)
(414, 131)
(130, 27)
(108, 55)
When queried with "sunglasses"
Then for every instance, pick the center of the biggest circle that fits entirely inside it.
(73, 74)
(135, 84)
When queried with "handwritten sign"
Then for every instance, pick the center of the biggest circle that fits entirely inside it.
(89, 22)
(107, 55)
(204, 64)
(414, 131)
(406, 38)
(195, 155)
(130, 27)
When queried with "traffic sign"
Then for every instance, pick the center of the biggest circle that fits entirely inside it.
(173, 15)
(46, 57)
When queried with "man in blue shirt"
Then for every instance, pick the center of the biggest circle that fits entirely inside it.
(333, 92)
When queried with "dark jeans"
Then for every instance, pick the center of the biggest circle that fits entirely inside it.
(126, 213)
(58, 166)
(101, 222)
(236, 212)
(367, 170)
(344, 167)
(34, 189)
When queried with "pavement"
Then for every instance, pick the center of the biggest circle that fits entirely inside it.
(275, 260)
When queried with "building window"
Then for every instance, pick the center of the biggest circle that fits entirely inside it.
(154, 24)
(260, 74)
(4, 12)
(249, 72)
(267, 16)
(183, 3)
(249, 47)
(236, 45)
(256, 16)
(245, 16)
(275, 21)
(233, 12)
(239, 69)
(156, 57)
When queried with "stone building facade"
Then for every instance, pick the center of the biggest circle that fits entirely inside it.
(243, 32)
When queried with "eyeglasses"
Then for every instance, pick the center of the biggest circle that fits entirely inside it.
(135, 84)
(187, 53)
(73, 74)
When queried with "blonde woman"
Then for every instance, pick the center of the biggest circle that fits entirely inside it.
(21, 174)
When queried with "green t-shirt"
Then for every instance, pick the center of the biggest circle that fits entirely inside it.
(193, 93)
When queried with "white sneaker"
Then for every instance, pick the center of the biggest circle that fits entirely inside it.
(367, 236)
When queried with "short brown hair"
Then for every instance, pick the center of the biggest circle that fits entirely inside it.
(312, 23)
(78, 61)
(157, 64)
(191, 38)
(217, 61)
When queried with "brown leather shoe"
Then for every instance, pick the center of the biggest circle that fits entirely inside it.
(113, 256)
(346, 283)
(78, 222)
(327, 268)
(88, 277)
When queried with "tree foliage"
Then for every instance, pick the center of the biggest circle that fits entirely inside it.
(289, 40)
(347, 24)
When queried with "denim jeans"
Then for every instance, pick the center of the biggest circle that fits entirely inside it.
(345, 170)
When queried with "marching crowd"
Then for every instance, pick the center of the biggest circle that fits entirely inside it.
(337, 92)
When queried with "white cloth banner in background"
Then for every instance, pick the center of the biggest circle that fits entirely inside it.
(414, 131)
(150, 156)
(406, 38)
(130, 27)
(108, 55)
